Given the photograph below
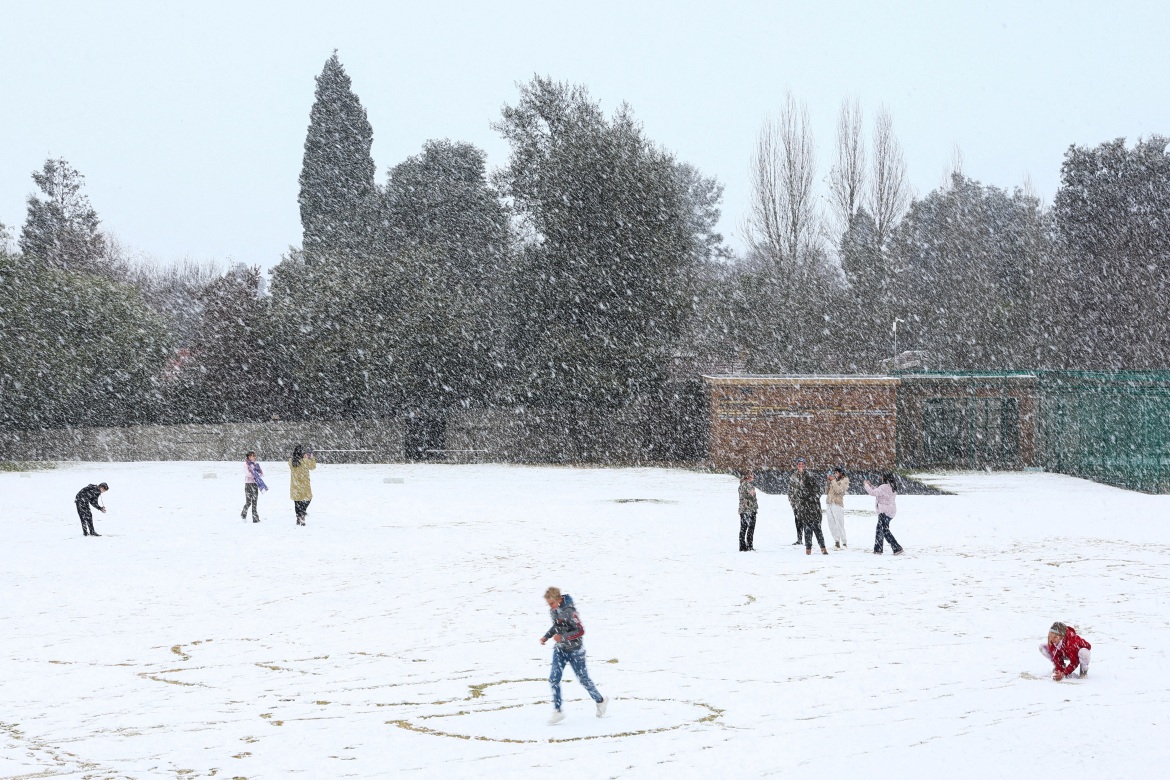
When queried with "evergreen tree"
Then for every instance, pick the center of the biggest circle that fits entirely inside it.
(605, 285)
(865, 320)
(78, 349)
(1111, 219)
(441, 199)
(965, 257)
(233, 371)
(453, 241)
(862, 260)
(61, 229)
(388, 338)
(338, 193)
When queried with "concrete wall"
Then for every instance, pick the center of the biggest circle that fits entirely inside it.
(667, 428)
(763, 422)
(271, 441)
(670, 428)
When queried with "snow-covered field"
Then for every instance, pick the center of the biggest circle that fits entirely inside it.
(397, 634)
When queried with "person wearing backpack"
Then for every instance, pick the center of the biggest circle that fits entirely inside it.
(566, 632)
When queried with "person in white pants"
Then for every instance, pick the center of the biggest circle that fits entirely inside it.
(1067, 650)
(835, 489)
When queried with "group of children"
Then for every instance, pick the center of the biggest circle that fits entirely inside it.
(1067, 650)
(300, 490)
(300, 485)
(804, 496)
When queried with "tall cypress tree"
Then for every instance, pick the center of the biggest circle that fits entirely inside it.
(337, 197)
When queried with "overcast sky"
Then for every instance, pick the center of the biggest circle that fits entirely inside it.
(188, 120)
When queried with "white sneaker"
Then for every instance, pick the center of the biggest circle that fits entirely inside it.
(1084, 672)
(556, 718)
(601, 705)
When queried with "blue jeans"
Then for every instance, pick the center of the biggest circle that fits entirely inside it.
(576, 660)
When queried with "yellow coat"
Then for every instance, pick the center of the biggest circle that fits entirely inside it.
(299, 487)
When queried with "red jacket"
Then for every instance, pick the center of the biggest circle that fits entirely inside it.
(1066, 654)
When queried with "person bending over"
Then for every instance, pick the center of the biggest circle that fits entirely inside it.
(1067, 650)
(86, 497)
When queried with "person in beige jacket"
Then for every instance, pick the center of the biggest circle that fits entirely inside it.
(299, 486)
(835, 489)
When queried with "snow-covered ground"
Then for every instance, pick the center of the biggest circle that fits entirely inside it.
(397, 634)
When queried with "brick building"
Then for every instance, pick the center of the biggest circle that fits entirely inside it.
(765, 422)
(967, 420)
(874, 423)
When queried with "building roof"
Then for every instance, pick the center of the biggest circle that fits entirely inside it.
(798, 379)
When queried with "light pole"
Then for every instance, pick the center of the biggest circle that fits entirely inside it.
(894, 363)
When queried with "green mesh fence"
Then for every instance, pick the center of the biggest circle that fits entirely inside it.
(1112, 427)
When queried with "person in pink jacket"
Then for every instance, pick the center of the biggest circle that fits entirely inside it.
(886, 508)
(253, 484)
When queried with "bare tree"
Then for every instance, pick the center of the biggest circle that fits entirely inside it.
(847, 178)
(784, 224)
(1028, 189)
(8, 244)
(889, 194)
(954, 168)
(175, 290)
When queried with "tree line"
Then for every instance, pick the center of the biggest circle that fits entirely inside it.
(587, 271)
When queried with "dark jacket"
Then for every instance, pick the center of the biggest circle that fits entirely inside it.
(747, 497)
(567, 623)
(89, 495)
(804, 494)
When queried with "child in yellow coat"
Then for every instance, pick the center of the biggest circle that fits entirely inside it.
(300, 487)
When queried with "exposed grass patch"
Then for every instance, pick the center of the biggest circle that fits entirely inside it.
(713, 713)
(27, 465)
(643, 501)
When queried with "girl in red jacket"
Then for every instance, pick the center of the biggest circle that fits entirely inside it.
(1067, 650)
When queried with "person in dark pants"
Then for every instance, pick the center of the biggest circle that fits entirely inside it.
(253, 484)
(86, 497)
(805, 496)
(884, 495)
(747, 511)
(300, 486)
(794, 489)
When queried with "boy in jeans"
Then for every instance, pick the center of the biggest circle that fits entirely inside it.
(566, 632)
